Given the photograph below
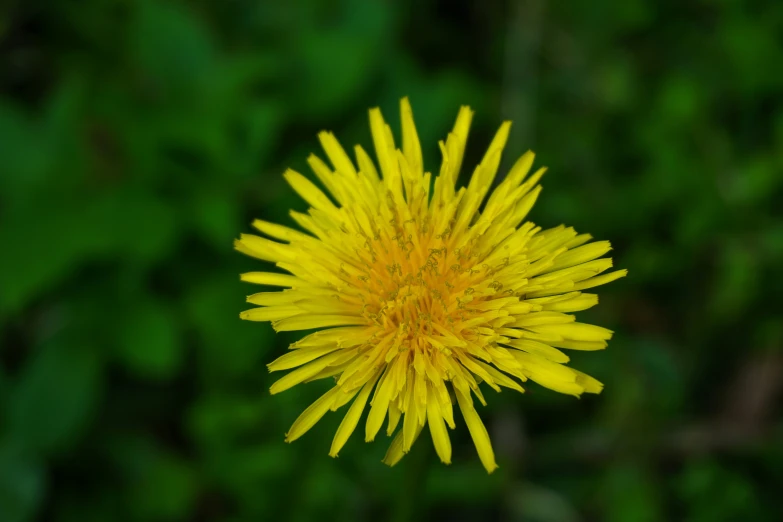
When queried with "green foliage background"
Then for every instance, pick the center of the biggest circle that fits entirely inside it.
(138, 138)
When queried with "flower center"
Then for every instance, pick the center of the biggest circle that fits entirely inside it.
(419, 288)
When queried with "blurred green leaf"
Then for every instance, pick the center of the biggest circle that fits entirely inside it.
(22, 483)
(50, 245)
(262, 123)
(216, 216)
(466, 483)
(149, 343)
(20, 147)
(340, 64)
(738, 280)
(54, 397)
(714, 493)
(159, 484)
(530, 503)
(632, 494)
(748, 50)
(166, 491)
(341, 61)
(222, 421)
(172, 46)
(680, 99)
(228, 347)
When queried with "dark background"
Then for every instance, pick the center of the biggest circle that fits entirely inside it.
(138, 138)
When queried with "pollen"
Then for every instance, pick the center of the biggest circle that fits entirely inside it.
(417, 293)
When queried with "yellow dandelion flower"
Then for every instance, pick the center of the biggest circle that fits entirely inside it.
(418, 293)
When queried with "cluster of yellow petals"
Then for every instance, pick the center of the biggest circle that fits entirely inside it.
(419, 293)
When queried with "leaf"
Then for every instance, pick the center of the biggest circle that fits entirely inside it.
(215, 215)
(172, 46)
(631, 494)
(50, 245)
(149, 343)
(217, 421)
(21, 147)
(534, 503)
(160, 485)
(335, 65)
(166, 490)
(22, 483)
(229, 346)
(262, 122)
(54, 398)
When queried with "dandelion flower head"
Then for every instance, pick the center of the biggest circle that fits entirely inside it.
(419, 292)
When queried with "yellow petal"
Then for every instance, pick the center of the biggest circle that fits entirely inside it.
(410, 422)
(574, 304)
(501, 378)
(340, 160)
(455, 143)
(478, 432)
(394, 418)
(575, 331)
(302, 373)
(366, 165)
(286, 297)
(549, 374)
(269, 313)
(310, 321)
(440, 437)
(491, 161)
(396, 451)
(384, 150)
(299, 357)
(590, 384)
(272, 279)
(277, 231)
(380, 405)
(344, 337)
(600, 280)
(351, 418)
(524, 205)
(520, 168)
(311, 415)
(410, 139)
(538, 318)
(580, 345)
(261, 248)
(560, 386)
(537, 348)
(581, 254)
(325, 176)
(343, 398)
(309, 192)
